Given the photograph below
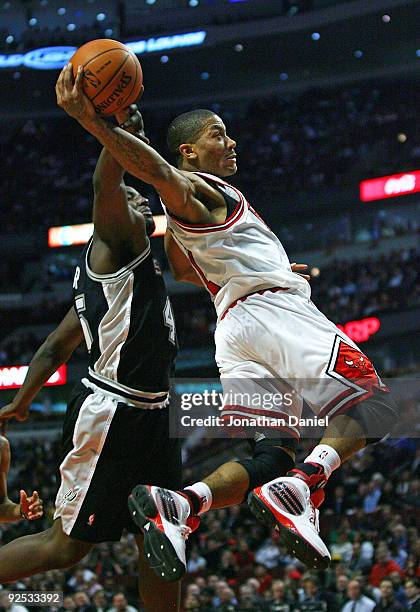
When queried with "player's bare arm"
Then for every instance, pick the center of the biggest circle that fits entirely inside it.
(29, 507)
(178, 191)
(111, 209)
(56, 350)
(179, 264)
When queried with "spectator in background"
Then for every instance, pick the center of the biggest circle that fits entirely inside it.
(383, 567)
(248, 600)
(373, 495)
(280, 602)
(99, 601)
(397, 584)
(8, 606)
(192, 602)
(228, 601)
(120, 604)
(387, 600)
(412, 592)
(227, 567)
(343, 549)
(264, 578)
(196, 563)
(313, 600)
(68, 604)
(244, 557)
(340, 591)
(268, 553)
(82, 602)
(358, 602)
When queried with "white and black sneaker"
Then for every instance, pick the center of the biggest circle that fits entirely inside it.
(164, 517)
(285, 504)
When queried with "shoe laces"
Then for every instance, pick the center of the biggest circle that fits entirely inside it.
(185, 531)
(314, 516)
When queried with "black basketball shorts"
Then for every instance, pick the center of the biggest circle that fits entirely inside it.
(109, 447)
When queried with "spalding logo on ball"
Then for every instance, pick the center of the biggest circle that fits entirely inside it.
(112, 78)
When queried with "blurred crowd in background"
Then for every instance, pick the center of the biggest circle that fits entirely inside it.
(369, 521)
(293, 144)
(342, 290)
(295, 152)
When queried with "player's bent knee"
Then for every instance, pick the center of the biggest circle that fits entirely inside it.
(376, 415)
(269, 461)
(62, 549)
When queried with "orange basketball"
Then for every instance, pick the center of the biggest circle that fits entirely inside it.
(112, 74)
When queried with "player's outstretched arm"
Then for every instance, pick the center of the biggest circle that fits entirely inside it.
(134, 155)
(111, 208)
(179, 263)
(29, 507)
(56, 350)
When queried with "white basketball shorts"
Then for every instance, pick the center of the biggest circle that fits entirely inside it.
(276, 342)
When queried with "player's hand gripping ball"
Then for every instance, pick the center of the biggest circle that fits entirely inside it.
(112, 74)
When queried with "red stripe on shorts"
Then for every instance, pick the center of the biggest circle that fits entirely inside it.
(261, 292)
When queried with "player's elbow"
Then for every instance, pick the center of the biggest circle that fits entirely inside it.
(102, 185)
(175, 189)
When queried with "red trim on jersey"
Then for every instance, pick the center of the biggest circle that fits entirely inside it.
(212, 287)
(200, 228)
(257, 215)
(260, 292)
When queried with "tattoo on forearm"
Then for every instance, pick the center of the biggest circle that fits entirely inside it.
(130, 152)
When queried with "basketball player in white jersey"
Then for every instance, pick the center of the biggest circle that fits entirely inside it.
(268, 331)
(28, 507)
(116, 426)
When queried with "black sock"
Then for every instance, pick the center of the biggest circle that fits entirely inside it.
(193, 499)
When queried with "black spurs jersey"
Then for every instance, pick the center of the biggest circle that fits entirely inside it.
(129, 328)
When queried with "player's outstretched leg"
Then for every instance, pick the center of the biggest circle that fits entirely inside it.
(275, 502)
(164, 517)
(285, 504)
(168, 517)
(40, 552)
(290, 504)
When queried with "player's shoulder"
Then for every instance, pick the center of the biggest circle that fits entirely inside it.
(202, 185)
(4, 443)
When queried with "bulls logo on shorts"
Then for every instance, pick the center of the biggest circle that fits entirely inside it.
(353, 369)
(354, 365)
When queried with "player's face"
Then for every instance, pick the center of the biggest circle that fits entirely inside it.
(215, 150)
(135, 199)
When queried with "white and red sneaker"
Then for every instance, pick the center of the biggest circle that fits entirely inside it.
(284, 503)
(164, 517)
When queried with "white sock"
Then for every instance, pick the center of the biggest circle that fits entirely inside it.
(203, 491)
(326, 456)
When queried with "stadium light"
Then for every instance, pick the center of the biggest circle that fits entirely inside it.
(53, 58)
(72, 235)
(12, 377)
(362, 330)
(390, 186)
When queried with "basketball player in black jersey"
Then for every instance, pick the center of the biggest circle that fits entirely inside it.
(200, 141)
(115, 430)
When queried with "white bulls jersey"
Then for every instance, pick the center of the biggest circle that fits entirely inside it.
(237, 257)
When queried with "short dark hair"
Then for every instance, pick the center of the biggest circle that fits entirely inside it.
(186, 128)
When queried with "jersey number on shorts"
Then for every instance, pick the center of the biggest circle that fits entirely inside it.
(168, 317)
(79, 301)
